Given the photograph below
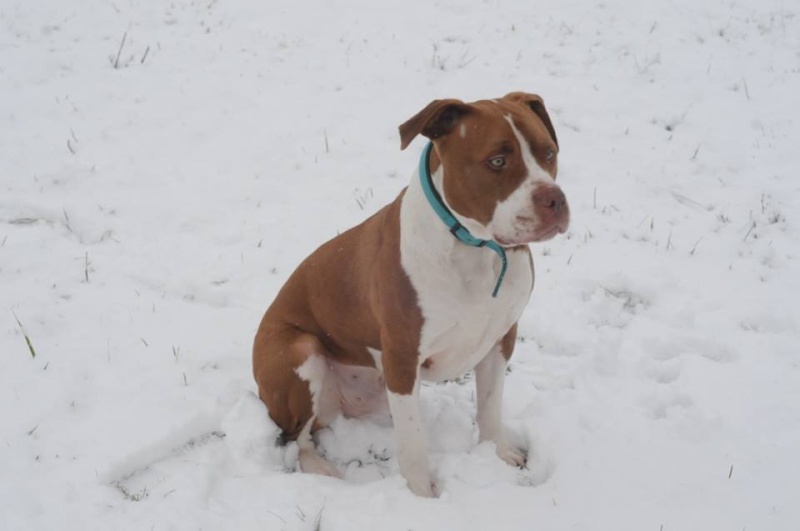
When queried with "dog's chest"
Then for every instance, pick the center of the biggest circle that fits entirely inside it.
(454, 284)
(461, 319)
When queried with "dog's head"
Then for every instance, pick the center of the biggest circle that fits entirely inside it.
(495, 164)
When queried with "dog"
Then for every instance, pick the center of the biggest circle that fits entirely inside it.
(430, 287)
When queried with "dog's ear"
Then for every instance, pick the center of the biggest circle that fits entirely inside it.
(435, 120)
(536, 104)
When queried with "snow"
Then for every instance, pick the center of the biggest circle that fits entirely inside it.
(150, 212)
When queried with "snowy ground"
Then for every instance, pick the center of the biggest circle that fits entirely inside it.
(154, 197)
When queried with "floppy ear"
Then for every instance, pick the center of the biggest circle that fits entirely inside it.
(435, 120)
(534, 101)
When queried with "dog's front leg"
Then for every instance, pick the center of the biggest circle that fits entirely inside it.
(490, 376)
(402, 385)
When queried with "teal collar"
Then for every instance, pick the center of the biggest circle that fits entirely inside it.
(456, 229)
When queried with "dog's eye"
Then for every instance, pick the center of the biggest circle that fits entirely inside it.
(551, 155)
(497, 162)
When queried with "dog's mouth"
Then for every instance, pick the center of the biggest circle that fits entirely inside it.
(540, 234)
(537, 237)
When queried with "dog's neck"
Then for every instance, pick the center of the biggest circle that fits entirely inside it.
(426, 240)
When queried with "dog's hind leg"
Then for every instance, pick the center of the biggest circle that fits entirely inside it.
(297, 385)
(310, 460)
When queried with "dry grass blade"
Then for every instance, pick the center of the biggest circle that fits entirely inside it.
(25, 335)
(119, 52)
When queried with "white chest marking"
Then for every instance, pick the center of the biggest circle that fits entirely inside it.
(454, 283)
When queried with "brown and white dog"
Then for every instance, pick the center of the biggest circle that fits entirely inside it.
(398, 298)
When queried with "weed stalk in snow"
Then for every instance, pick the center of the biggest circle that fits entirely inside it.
(752, 226)
(25, 335)
(119, 52)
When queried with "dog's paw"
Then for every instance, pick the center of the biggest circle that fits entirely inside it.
(425, 490)
(313, 463)
(511, 455)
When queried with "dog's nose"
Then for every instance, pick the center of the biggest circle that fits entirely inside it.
(550, 197)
